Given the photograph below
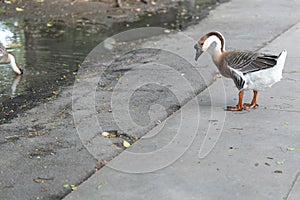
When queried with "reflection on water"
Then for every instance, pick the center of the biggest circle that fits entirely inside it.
(48, 54)
(10, 36)
(45, 53)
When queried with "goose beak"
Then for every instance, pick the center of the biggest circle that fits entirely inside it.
(22, 71)
(198, 51)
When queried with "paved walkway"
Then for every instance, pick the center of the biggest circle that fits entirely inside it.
(203, 152)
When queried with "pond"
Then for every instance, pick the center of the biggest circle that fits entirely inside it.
(50, 54)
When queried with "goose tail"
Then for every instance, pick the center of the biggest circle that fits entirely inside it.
(278, 68)
(281, 59)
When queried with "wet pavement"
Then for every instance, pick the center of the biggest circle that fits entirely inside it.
(46, 153)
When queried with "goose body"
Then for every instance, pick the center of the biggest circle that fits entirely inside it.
(249, 70)
(7, 58)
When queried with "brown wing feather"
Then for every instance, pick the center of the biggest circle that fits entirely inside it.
(3, 54)
(246, 62)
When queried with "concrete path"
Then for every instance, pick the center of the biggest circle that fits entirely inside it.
(203, 152)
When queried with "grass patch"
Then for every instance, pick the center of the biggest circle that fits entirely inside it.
(2, 10)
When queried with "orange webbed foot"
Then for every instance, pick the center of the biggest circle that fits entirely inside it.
(253, 104)
(236, 108)
(250, 105)
(239, 107)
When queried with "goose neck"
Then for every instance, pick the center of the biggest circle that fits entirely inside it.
(13, 64)
(217, 55)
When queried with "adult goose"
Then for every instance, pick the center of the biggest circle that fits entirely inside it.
(7, 58)
(249, 70)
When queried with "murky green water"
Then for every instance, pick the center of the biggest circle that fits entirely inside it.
(51, 54)
(49, 57)
(45, 53)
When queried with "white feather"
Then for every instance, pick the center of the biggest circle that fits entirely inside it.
(265, 78)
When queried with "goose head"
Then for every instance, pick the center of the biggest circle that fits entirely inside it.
(204, 43)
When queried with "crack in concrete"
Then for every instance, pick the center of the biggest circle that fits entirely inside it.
(284, 110)
(292, 186)
(264, 44)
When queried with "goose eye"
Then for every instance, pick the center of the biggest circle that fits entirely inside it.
(202, 43)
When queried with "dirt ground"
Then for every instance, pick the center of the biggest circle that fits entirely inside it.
(82, 12)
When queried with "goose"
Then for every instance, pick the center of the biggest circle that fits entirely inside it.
(249, 70)
(6, 58)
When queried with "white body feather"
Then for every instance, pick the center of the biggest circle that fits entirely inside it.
(265, 78)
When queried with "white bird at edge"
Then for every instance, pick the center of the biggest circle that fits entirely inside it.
(249, 70)
(7, 58)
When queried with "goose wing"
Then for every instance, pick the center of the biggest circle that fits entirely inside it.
(2, 51)
(3, 54)
(247, 62)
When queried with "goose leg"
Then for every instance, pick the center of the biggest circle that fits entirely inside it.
(253, 104)
(239, 107)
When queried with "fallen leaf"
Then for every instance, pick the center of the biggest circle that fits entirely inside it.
(158, 122)
(101, 185)
(37, 180)
(100, 164)
(235, 128)
(73, 187)
(167, 31)
(7, 2)
(109, 135)
(49, 24)
(280, 162)
(278, 171)
(291, 149)
(15, 45)
(126, 144)
(105, 134)
(19, 9)
(66, 185)
(217, 76)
